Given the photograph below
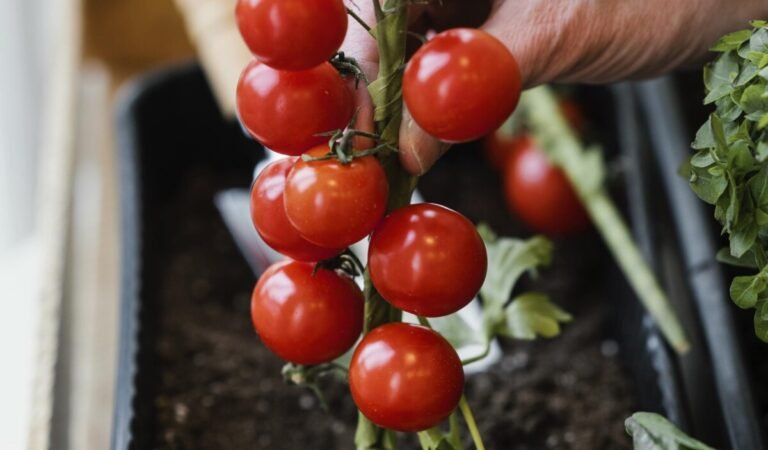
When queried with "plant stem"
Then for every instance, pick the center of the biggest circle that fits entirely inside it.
(453, 435)
(466, 411)
(584, 170)
(386, 92)
(481, 355)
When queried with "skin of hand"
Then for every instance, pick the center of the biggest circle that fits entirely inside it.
(580, 41)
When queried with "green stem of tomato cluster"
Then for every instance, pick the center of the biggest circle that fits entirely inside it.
(584, 170)
(390, 33)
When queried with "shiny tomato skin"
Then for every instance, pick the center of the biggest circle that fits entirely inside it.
(405, 377)
(286, 111)
(461, 85)
(540, 193)
(305, 318)
(270, 221)
(427, 260)
(333, 204)
(292, 34)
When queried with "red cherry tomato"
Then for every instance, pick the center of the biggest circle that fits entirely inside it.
(427, 259)
(306, 318)
(405, 377)
(292, 34)
(540, 194)
(333, 204)
(268, 215)
(461, 85)
(286, 111)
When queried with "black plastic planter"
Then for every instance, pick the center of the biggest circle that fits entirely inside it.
(169, 127)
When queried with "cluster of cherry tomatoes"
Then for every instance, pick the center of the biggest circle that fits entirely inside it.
(424, 259)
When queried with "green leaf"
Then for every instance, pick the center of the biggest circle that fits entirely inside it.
(457, 331)
(759, 41)
(718, 134)
(754, 100)
(747, 260)
(702, 159)
(508, 259)
(370, 437)
(707, 186)
(743, 236)
(759, 23)
(531, 315)
(761, 320)
(758, 188)
(651, 431)
(719, 76)
(763, 73)
(762, 150)
(704, 139)
(746, 289)
(434, 439)
(732, 41)
(747, 74)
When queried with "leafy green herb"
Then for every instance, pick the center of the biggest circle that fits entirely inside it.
(651, 431)
(730, 167)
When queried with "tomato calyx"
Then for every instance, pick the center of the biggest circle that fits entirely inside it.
(309, 377)
(341, 145)
(346, 262)
(348, 66)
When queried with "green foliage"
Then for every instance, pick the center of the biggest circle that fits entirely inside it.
(730, 167)
(651, 431)
(529, 315)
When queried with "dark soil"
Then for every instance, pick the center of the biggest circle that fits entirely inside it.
(216, 387)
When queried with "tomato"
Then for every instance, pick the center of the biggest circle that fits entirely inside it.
(405, 377)
(292, 34)
(306, 318)
(540, 193)
(286, 111)
(333, 204)
(427, 259)
(461, 85)
(268, 215)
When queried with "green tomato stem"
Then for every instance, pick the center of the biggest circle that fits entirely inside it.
(584, 170)
(466, 411)
(386, 91)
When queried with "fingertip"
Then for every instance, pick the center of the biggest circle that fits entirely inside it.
(418, 150)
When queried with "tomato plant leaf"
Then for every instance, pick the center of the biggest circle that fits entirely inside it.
(370, 437)
(457, 331)
(434, 439)
(508, 259)
(532, 315)
(651, 431)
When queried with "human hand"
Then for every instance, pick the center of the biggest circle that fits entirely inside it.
(584, 41)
